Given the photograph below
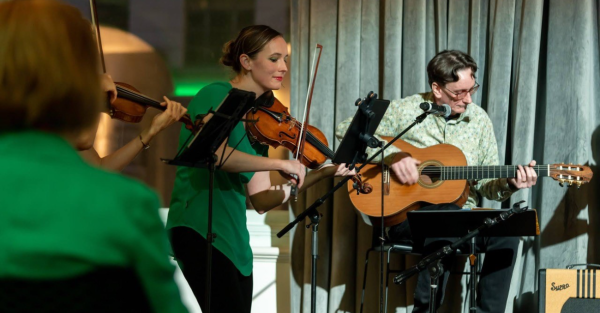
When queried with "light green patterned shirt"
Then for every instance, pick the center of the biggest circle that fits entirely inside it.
(471, 132)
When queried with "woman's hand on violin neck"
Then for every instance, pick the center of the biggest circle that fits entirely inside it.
(108, 85)
(172, 114)
(293, 167)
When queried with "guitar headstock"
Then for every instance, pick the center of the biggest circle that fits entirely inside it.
(571, 174)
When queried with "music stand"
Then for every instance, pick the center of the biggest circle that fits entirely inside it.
(465, 224)
(365, 123)
(458, 223)
(363, 126)
(200, 153)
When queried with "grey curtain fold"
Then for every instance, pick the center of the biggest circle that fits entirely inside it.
(538, 68)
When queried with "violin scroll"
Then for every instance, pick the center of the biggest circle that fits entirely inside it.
(360, 186)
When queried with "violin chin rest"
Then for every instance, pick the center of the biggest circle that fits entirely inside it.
(265, 100)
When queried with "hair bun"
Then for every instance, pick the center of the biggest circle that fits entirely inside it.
(228, 55)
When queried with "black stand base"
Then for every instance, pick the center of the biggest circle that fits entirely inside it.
(210, 236)
(315, 218)
(436, 270)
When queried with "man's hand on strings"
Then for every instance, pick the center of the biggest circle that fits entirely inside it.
(526, 177)
(293, 167)
(405, 168)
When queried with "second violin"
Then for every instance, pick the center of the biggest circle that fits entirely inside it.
(131, 106)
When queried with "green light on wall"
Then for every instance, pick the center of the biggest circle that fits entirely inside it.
(189, 89)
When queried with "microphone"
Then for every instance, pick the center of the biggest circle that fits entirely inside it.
(515, 209)
(442, 110)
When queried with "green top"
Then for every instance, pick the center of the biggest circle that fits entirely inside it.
(472, 132)
(189, 200)
(61, 217)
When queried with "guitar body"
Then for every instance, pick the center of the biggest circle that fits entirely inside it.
(400, 199)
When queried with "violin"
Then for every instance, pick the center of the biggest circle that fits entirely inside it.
(130, 106)
(274, 126)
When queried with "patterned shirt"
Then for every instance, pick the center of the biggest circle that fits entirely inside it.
(471, 132)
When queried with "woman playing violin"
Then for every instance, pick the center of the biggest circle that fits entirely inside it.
(117, 160)
(258, 58)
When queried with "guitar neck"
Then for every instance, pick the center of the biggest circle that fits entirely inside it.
(486, 172)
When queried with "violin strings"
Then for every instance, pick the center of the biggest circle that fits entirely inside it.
(318, 144)
(134, 96)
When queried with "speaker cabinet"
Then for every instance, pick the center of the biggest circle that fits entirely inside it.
(568, 291)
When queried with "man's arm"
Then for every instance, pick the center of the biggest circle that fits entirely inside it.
(502, 188)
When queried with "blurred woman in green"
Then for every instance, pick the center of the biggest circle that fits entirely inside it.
(60, 218)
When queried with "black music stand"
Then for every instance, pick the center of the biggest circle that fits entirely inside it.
(201, 149)
(355, 143)
(466, 225)
(359, 134)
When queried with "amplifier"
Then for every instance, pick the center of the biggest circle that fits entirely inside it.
(568, 290)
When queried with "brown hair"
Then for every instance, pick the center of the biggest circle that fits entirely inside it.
(250, 41)
(49, 77)
(444, 66)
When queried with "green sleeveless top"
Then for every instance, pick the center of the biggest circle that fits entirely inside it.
(189, 200)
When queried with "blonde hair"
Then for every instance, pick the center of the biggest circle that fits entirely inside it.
(49, 78)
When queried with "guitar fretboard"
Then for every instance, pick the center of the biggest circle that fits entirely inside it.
(482, 172)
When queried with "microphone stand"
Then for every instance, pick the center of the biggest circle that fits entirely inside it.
(436, 270)
(315, 215)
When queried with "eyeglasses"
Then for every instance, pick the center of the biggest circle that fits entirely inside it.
(461, 95)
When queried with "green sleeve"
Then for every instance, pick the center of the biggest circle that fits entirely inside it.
(150, 256)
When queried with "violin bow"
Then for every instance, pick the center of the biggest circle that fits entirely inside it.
(309, 93)
(96, 25)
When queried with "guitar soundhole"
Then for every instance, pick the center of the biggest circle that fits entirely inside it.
(430, 175)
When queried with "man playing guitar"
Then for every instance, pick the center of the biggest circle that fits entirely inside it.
(452, 80)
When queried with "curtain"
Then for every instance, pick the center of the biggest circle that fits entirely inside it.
(538, 68)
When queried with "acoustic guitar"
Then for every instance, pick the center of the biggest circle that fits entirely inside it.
(443, 178)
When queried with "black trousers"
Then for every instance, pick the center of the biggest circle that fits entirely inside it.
(494, 281)
(231, 292)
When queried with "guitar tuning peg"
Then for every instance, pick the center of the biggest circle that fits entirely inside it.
(570, 184)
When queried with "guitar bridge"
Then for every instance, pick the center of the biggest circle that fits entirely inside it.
(386, 180)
